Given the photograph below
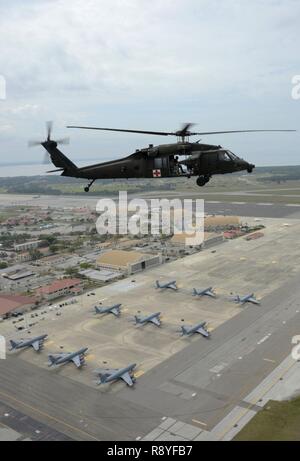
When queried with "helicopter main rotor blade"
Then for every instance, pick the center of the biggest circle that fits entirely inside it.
(159, 133)
(180, 133)
(235, 131)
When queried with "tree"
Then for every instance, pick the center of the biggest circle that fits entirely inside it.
(85, 265)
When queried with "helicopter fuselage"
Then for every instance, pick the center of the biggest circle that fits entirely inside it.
(162, 161)
(181, 159)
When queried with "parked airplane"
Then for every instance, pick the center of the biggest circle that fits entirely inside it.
(37, 343)
(153, 318)
(206, 291)
(171, 285)
(107, 375)
(115, 309)
(199, 328)
(246, 299)
(76, 357)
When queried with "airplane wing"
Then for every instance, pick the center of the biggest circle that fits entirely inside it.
(78, 361)
(115, 311)
(253, 300)
(173, 286)
(127, 378)
(156, 321)
(37, 345)
(203, 332)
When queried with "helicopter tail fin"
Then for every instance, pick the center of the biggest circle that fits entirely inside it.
(60, 160)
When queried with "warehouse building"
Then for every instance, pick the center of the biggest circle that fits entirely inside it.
(10, 304)
(127, 262)
(179, 244)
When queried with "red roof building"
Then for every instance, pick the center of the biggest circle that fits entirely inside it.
(60, 288)
(10, 303)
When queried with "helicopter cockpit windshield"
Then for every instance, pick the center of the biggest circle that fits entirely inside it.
(232, 155)
(225, 156)
(228, 156)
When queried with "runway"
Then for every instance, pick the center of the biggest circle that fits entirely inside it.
(267, 208)
(204, 382)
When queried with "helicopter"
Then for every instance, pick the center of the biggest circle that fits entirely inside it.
(161, 161)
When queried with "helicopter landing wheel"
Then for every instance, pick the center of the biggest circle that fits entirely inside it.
(202, 180)
(87, 188)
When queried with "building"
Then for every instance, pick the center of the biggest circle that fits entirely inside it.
(178, 245)
(27, 246)
(221, 222)
(127, 262)
(16, 272)
(103, 275)
(15, 303)
(60, 288)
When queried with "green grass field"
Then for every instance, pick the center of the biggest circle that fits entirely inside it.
(278, 421)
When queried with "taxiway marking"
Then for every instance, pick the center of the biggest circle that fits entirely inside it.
(269, 360)
(199, 422)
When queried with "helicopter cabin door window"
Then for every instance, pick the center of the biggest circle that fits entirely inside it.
(161, 163)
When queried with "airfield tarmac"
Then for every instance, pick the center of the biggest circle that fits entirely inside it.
(194, 381)
(213, 204)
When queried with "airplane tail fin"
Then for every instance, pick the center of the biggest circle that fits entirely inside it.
(13, 344)
(194, 292)
(137, 320)
(183, 330)
(97, 310)
(157, 284)
(51, 359)
(237, 299)
(102, 378)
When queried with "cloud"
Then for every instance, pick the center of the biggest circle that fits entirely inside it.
(147, 64)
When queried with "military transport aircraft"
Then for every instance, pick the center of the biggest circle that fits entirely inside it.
(107, 375)
(199, 328)
(65, 357)
(246, 299)
(37, 343)
(115, 310)
(204, 292)
(152, 318)
(172, 285)
(162, 161)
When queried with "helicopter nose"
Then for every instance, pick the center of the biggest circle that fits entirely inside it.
(250, 167)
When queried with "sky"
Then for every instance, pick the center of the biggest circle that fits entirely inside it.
(221, 64)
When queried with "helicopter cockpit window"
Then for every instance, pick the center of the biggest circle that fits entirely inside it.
(231, 155)
(224, 156)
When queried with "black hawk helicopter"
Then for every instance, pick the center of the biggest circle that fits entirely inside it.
(162, 161)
